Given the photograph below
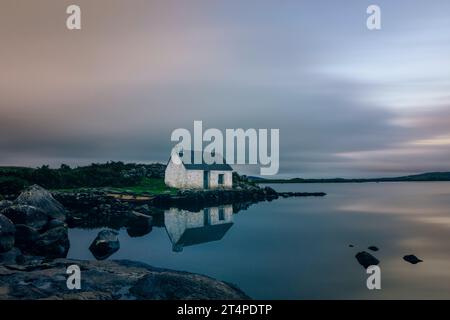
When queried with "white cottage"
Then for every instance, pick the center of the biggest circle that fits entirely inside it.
(189, 175)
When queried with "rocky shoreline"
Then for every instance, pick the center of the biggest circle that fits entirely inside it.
(109, 280)
(34, 244)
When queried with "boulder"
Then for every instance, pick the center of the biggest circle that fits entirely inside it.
(13, 256)
(38, 197)
(170, 285)
(5, 204)
(27, 215)
(366, 259)
(373, 248)
(55, 223)
(7, 233)
(26, 236)
(412, 259)
(53, 243)
(105, 244)
(140, 227)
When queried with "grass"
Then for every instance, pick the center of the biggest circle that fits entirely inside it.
(148, 186)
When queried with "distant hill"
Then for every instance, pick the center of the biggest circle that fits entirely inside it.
(429, 176)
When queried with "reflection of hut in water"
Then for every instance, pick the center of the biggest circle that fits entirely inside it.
(187, 228)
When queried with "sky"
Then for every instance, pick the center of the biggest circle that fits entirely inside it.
(348, 101)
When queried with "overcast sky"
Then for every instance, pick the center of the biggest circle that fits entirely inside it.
(348, 101)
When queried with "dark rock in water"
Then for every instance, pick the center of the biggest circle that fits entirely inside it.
(28, 215)
(38, 197)
(373, 248)
(412, 259)
(107, 280)
(7, 234)
(169, 285)
(366, 259)
(5, 204)
(351, 246)
(53, 243)
(140, 227)
(105, 244)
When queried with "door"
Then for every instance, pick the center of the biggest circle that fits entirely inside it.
(205, 179)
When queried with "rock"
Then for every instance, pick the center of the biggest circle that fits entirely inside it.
(26, 236)
(351, 246)
(38, 197)
(7, 234)
(140, 227)
(55, 223)
(170, 285)
(53, 243)
(412, 259)
(108, 280)
(5, 204)
(105, 244)
(373, 248)
(28, 215)
(13, 256)
(366, 259)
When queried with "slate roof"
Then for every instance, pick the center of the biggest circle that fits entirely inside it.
(204, 166)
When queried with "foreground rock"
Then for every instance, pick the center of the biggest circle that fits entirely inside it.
(109, 280)
(7, 234)
(5, 204)
(39, 223)
(27, 215)
(366, 259)
(105, 244)
(40, 198)
(412, 259)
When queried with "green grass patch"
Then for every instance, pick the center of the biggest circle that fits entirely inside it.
(147, 186)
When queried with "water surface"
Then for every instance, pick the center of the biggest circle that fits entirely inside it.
(298, 248)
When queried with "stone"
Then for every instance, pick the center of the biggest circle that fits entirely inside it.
(366, 259)
(412, 259)
(105, 244)
(26, 236)
(5, 204)
(38, 197)
(7, 234)
(169, 285)
(13, 256)
(53, 243)
(27, 215)
(140, 227)
(373, 248)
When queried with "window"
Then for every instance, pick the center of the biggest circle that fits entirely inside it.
(220, 179)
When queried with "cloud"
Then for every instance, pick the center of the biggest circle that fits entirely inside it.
(347, 101)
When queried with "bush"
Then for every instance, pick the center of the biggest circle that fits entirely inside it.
(12, 185)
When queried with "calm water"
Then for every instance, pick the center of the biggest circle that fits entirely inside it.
(298, 248)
